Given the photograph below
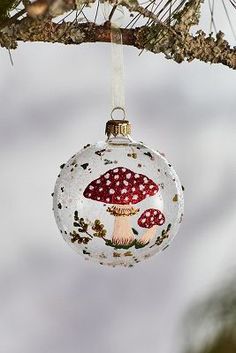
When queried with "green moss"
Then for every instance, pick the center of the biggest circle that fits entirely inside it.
(115, 246)
(139, 245)
(135, 243)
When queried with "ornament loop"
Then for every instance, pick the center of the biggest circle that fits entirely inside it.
(118, 108)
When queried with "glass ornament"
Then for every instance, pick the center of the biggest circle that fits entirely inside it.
(118, 202)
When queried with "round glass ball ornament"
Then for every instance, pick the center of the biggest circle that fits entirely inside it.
(118, 202)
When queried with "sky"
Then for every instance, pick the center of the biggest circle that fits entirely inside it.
(55, 100)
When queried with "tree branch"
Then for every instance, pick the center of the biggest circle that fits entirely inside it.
(174, 41)
(201, 47)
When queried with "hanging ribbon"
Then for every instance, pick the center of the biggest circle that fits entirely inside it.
(117, 62)
(118, 92)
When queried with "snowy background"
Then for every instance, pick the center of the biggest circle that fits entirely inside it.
(55, 100)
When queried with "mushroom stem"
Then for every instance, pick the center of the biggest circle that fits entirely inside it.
(122, 233)
(148, 235)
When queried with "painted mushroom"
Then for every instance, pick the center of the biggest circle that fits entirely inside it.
(122, 188)
(151, 219)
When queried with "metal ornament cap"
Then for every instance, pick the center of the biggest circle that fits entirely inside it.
(118, 127)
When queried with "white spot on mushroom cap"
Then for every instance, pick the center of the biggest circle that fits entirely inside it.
(91, 187)
(151, 186)
(123, 169)
(136, 176)
(117, 183)
(107, 199)
(123, 191)
(143, 220)
(147, 214)
(155, 213)
(133, 189)
(98, 181)
(100, 189)
(145, 180)
(111, 191)
(141, 187)
(108, 182)
(115, 170)
(116, 176)
(128, 176)
(135, 197)
(107, 175)
(125, 182)
(126, 198)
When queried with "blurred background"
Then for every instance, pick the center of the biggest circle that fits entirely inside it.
(56, 99)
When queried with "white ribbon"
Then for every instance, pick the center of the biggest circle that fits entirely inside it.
(117, 59)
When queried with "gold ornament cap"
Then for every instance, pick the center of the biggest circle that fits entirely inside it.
(118, 127)
(115, 127)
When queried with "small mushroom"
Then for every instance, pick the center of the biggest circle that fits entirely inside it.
(151, 219)
(122, 188)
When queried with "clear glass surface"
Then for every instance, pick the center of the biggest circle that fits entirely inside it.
(118, 202)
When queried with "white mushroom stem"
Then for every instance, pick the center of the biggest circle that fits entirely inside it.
(122, 232)
(148, 235)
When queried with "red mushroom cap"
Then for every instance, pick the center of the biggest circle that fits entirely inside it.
(150, 218)
(121, 186)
